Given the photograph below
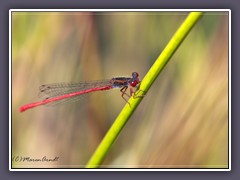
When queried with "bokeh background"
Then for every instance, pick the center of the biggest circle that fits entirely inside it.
(182, 122)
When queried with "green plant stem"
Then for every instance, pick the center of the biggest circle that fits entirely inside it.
(146, 83)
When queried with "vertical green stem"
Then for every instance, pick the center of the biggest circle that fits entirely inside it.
(146, 83)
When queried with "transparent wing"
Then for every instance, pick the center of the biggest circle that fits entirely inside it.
(58, 89)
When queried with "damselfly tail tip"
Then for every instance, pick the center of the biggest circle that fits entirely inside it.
(22, 109)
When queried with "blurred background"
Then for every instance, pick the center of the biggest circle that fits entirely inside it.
(182, 122)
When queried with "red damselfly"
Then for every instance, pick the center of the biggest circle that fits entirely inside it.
(51, 93)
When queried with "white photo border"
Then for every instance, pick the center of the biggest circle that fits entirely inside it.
(119, 10)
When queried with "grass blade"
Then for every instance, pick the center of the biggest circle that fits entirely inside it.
(146, 83)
